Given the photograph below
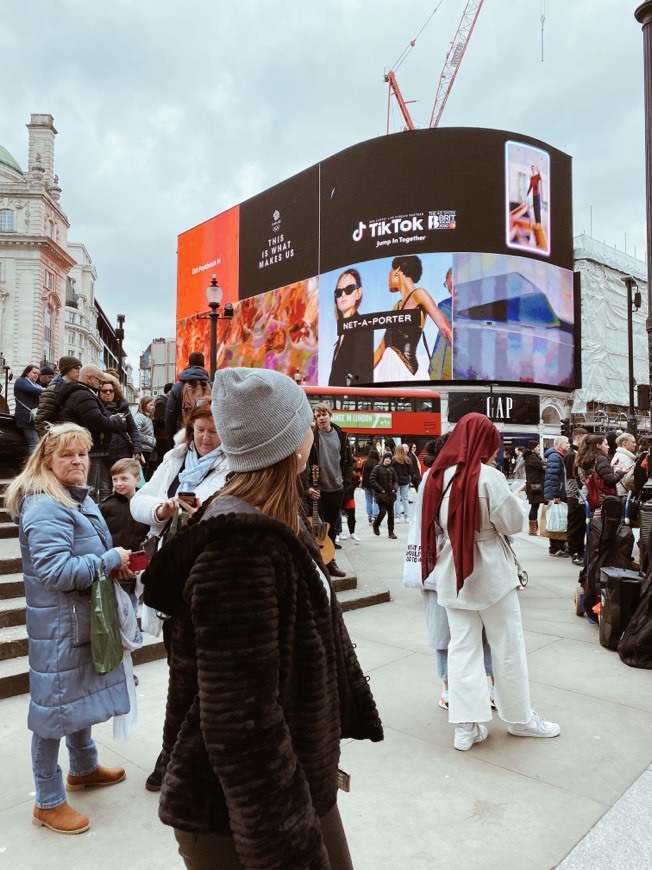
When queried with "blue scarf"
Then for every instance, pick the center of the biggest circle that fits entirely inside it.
(196, 468)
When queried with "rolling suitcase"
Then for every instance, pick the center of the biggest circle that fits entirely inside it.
(620, 591)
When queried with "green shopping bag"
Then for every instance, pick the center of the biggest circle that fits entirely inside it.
(106, 643)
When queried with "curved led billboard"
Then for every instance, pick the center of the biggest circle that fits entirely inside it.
(430, 256)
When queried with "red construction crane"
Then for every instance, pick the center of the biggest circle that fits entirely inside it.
(451, 66)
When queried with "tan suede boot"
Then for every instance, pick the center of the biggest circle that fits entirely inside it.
(62, 819)
(101, 776)
(534, 527)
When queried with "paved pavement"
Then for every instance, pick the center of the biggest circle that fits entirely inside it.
(581, 800)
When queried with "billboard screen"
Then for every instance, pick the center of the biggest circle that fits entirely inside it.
(431, 256)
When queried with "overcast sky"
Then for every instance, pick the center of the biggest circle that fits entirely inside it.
(170, 112)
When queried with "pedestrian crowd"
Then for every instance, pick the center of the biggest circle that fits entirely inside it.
(239, 493)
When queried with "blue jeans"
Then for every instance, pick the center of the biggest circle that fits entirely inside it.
(402, 500)
(372, 504)
(30, 435)
(48, 777)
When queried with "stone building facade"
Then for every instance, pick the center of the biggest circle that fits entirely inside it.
(47, 283)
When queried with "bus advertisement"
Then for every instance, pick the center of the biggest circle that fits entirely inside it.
(369, 415)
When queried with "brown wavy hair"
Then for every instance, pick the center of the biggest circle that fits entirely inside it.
(273, 490)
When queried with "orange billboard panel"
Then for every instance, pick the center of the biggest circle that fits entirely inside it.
(212, 248)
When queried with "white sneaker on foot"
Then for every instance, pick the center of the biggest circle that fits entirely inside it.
(443, 701)
(355, 537)
(536, 727)
(342, 537)
(469, 733)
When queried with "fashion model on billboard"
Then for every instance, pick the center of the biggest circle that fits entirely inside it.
(353, 352)
(441, 361)
(396, 355)
(528, 211)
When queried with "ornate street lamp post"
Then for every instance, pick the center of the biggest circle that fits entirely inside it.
(120, 334)
(644, 16)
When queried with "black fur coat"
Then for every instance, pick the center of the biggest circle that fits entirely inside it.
(264, 682)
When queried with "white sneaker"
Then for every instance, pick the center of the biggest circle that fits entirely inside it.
(355, 538)
(469, 733)
(406, 520)
(337, 539)
(342, 537)
(536, 727)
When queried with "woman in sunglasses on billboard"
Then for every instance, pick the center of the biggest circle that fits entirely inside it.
(353, 353)
(398, 348)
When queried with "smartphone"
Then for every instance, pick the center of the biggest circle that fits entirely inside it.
(189, 498)
(138, 561)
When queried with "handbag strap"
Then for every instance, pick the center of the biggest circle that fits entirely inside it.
(448, 486)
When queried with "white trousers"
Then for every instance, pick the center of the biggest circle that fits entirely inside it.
(468, 693)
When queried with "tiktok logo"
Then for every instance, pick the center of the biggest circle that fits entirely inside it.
(358, 234)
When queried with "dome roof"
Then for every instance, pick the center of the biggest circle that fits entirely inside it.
(7, 160)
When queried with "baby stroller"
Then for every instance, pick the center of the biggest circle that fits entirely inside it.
(609, 543)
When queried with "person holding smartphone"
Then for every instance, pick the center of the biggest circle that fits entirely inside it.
(190, 473)
(264, 679)
(125, 531)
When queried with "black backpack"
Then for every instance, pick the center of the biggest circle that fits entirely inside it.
(635, 647)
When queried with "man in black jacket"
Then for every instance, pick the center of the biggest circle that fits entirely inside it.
(576, 513)
(80, 404)
(384, 483)
(194, 371)
(158, 421)
(332, 454)
(49, 410)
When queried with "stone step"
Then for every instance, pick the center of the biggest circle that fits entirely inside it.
(10, 564)
(11, 585)
(12, 611)
(13, 642)
(354, 599)
(8, 530)
(14, 672)
(339, 584)
(4, 515)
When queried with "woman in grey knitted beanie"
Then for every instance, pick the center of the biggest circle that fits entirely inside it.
(264, 680)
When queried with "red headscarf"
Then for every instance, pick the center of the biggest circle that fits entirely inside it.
(472, 442)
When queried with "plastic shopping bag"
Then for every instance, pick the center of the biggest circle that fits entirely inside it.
(106, 643)
(557, 516)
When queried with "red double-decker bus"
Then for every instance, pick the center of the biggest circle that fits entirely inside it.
(411, 415)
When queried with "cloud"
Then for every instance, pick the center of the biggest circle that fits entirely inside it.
(169, 113)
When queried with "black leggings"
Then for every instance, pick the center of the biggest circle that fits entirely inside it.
(208, 851)
(534, 512)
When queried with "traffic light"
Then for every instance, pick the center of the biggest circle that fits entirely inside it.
(566, 428)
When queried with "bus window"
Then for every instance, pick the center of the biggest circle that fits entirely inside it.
(380, 404)
(402, 405)
(347, 404)
(364, 405)
(423, 405)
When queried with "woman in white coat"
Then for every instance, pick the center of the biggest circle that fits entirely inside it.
(197, 465)
(468, 509)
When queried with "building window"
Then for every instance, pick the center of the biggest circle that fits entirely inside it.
(51, 229)
(49, 281)
(6, 220)
(47, 333)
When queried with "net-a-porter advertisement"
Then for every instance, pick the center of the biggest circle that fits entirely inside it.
(425, 257)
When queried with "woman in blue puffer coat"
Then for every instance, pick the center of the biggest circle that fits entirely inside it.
(63, 539)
